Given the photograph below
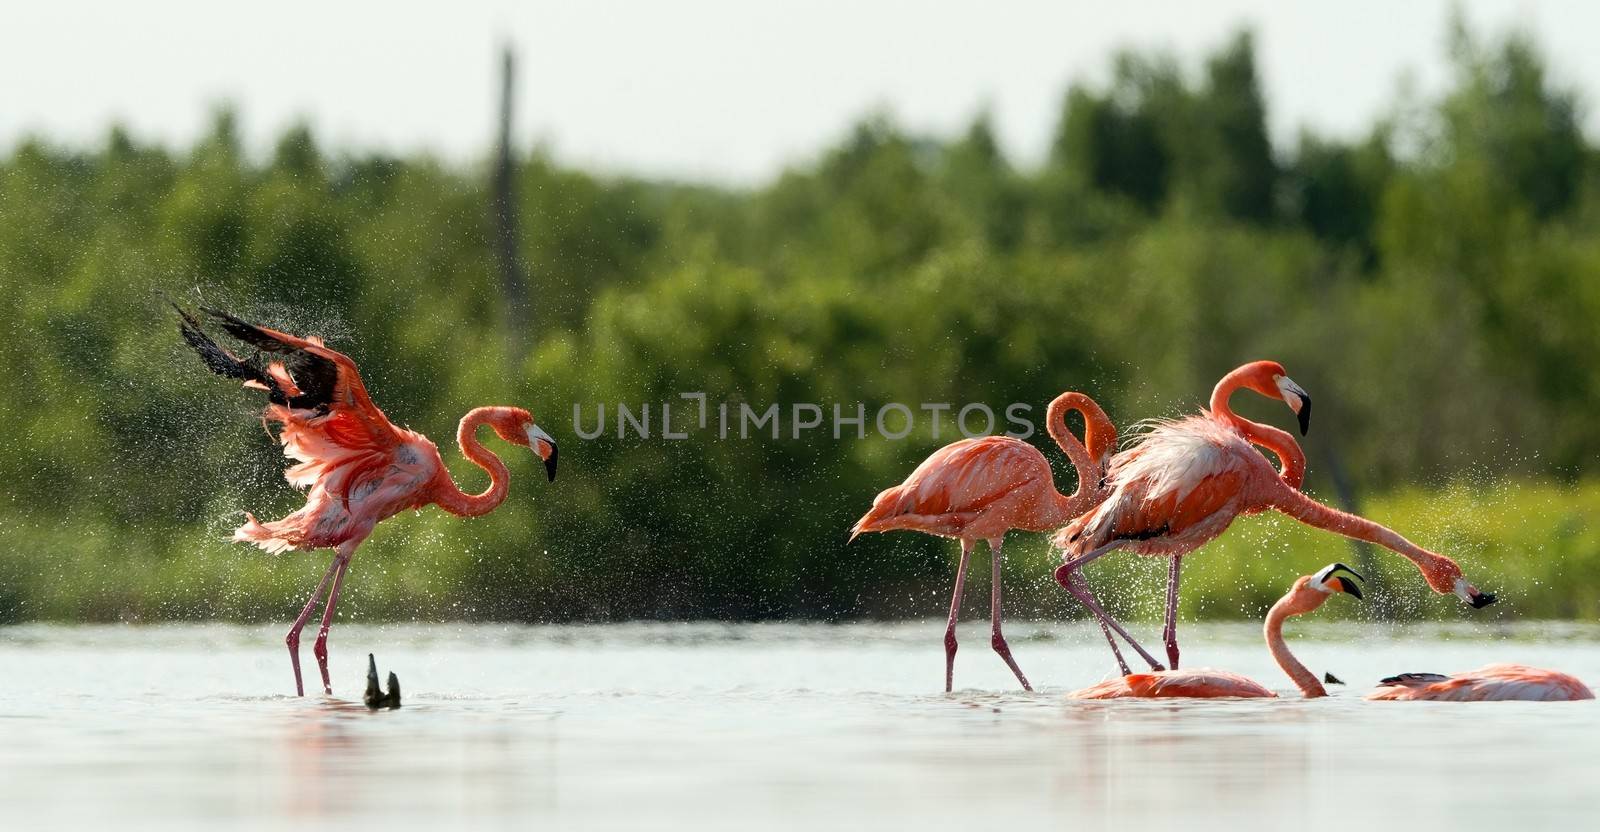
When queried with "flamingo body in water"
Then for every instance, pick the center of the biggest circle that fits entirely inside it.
(979, 489)
(1494, 683)
(1184, 481)
(1306, 595)
(1497, 682)
(358, 467)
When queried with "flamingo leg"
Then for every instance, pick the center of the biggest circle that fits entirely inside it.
(996, 639)
(293, 638)
(1106, 631)
(1170, 633)
(1080, 590)
(1068, 576)
(327, 618)
(321, 647)
(955, 609)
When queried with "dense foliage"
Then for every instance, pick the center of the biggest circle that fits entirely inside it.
(1434, 284)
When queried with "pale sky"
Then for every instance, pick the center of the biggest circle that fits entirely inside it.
(722, 90)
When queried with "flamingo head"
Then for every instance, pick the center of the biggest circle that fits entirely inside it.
(1474, 597)
(1444, 577)
(1336, 577)
(515, 425)
(1270, 379)
(1310, 592)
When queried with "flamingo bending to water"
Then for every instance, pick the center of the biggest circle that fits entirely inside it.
(358, 466)
(1306, 595)
(1184, 481)
(1496, 682)
(982, 488)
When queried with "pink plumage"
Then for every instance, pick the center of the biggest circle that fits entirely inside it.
(357, 467)
(1493, 683)
(979, 489)
(1171, 684)
(1183, 482)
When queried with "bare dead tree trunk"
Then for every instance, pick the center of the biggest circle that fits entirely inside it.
(513, 278)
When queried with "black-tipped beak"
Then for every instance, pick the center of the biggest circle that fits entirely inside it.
(1297, 399)
(1343, 568)
(1349, 586)
(1482, 599)
(545, 446)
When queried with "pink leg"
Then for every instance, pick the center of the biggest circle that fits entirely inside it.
(1170, 634)
(1104, 630)
(996, 640)
(955, 609)
(321, 648)
(1073, 581)
(1075, 584)
(293, 638)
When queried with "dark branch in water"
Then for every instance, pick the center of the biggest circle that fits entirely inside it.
(375, 698)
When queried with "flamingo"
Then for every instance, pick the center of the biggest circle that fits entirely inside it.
(1306, 595)
(1492, 683)
(1183, 481)
(982, 488)
(1496, 682)
(359, 467)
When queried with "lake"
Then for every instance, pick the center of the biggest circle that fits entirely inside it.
(770, 726)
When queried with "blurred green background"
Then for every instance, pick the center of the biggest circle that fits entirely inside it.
(1435, 285)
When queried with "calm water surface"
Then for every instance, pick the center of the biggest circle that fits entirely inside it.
(668, 726)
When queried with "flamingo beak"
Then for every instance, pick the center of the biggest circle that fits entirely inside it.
(1298, 400)
(1475, 598)
(1330, 579)
(545, 447)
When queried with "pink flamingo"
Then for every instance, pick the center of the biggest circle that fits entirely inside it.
(1496, 682)
(1493, 683)
(1306, 595)
(359, 467)
(1183, 482)
(982, 488)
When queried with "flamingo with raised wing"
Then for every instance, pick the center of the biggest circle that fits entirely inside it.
(982, 488)
(1306, 595)
(358, 467)
(1183, 481)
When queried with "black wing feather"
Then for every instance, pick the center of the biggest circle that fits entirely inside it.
(316, 376)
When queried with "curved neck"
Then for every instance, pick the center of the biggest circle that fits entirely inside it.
(1089, 456)
(1291, 460)
(1299, 601)
(450, 497)
(1440, 571)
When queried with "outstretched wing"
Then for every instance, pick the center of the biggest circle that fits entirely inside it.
(329, 423)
